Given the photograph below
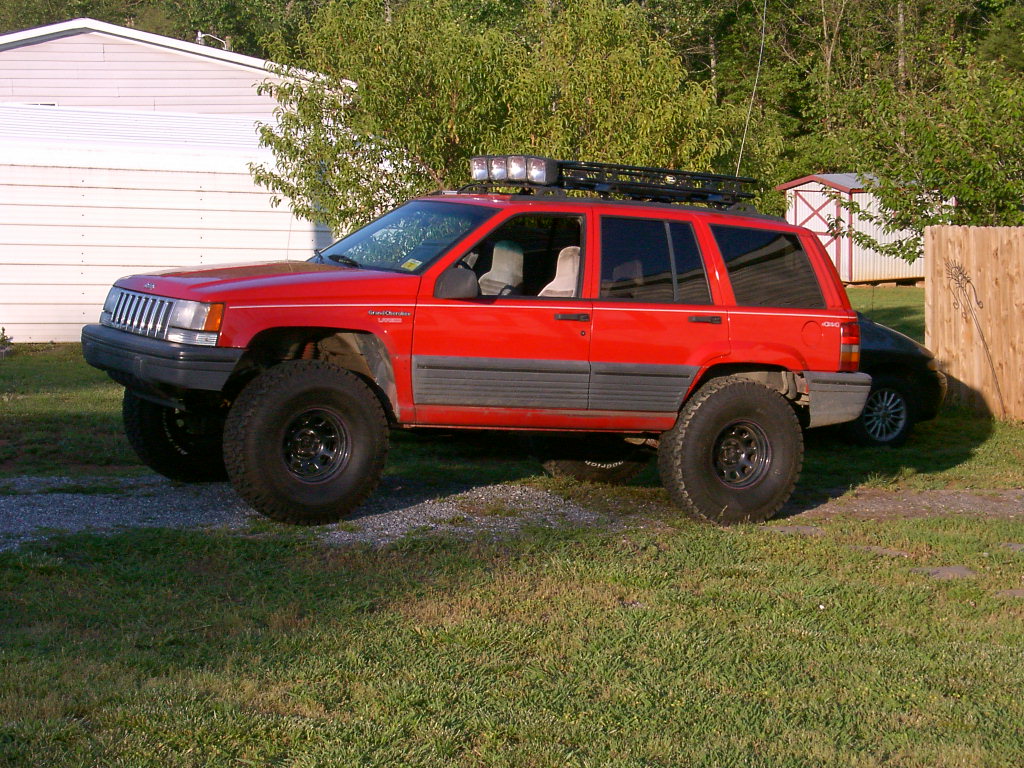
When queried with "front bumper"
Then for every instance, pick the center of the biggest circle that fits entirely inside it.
(129, 357)
(835, 398)
(931, 392)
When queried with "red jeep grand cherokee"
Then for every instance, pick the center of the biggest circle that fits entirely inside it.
(616, 318)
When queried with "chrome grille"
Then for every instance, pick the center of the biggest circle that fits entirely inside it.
(140, 313)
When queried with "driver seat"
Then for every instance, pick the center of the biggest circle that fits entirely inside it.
(506, 273)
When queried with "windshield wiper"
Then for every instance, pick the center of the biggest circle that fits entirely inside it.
(341, 259)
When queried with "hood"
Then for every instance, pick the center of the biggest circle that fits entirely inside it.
(255, 269)
(268, 281)
(877, 339)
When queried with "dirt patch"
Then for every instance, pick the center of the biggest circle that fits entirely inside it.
(875, 504)
(34, 508)
(946, 572)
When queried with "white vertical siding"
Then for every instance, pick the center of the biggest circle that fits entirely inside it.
(811, 205)
(871, 266)
(94, 69)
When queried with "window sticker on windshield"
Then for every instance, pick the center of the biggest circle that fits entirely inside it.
(411, 264)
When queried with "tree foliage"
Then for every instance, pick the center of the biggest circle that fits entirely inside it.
(588, 79)
(951, 155)
(924, 95)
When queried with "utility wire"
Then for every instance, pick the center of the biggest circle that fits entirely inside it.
(753, 91)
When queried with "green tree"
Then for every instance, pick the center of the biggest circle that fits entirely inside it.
(949, 155)
(418, 88)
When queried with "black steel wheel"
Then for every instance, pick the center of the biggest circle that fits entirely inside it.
(742, 454)
(888, 414)
(734, 454)
(305, 442)
(180, 445)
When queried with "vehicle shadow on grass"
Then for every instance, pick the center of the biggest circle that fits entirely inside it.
(434, 464)
(832, 465)
(424, 465)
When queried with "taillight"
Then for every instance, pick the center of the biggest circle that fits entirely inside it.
(849, 346)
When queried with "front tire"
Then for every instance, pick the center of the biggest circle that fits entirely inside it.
(734, 454)
(305, 442)
(179, 445)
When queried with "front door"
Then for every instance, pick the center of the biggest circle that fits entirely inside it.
(519, 351)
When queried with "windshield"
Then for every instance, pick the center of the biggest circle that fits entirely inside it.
(408, 238)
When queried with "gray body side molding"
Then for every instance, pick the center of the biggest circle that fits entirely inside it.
(572, 384)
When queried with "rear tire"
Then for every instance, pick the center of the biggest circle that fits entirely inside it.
(305, 442)
(734, 454)
(180, 445)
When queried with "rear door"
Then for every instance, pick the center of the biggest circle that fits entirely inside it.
(656, 324)
(780, 315)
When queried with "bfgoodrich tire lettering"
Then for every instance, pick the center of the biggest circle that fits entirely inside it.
(182, 446)
(305, 442)
(593, 459)
(734, 454)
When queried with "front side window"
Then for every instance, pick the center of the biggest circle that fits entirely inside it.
(768, 268)
(651, 260)
(409, 238)
(532, 255)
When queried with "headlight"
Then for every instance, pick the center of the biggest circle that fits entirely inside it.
(192, 322)
(196, 316)
(159, 317)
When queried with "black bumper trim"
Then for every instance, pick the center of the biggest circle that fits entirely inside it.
(154, 361)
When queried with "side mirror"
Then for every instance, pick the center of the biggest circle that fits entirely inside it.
(456, 283)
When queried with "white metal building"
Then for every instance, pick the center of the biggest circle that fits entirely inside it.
(87, 196)
(89, 63)
(123, 151)
(812, 201)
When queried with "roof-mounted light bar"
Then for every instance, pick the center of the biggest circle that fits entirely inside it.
(516, 169)
(635, 182)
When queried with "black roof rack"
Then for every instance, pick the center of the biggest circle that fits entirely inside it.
(663, 185)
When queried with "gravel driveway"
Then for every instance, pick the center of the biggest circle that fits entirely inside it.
(33, 508)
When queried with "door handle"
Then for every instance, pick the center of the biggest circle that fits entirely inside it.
(713, 319)
(581, 316)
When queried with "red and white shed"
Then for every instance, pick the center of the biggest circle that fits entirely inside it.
(814, 201)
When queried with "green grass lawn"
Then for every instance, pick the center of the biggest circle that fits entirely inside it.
(666, 643)
(900, 307)
(681, 645)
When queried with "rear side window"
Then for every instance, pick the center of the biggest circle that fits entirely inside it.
(651, 260)
(768, 268)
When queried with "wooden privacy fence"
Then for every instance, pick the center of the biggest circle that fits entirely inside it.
(974, 314)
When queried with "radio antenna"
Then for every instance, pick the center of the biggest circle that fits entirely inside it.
(753, 91)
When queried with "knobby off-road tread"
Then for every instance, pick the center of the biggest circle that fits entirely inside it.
(243, 443)
(673, 443)
(147, 427)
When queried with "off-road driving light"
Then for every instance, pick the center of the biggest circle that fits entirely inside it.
(516, 168)
(497, 168)
(478, 168)
(541, 170)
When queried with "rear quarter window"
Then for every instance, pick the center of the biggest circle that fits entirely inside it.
(768, 268)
